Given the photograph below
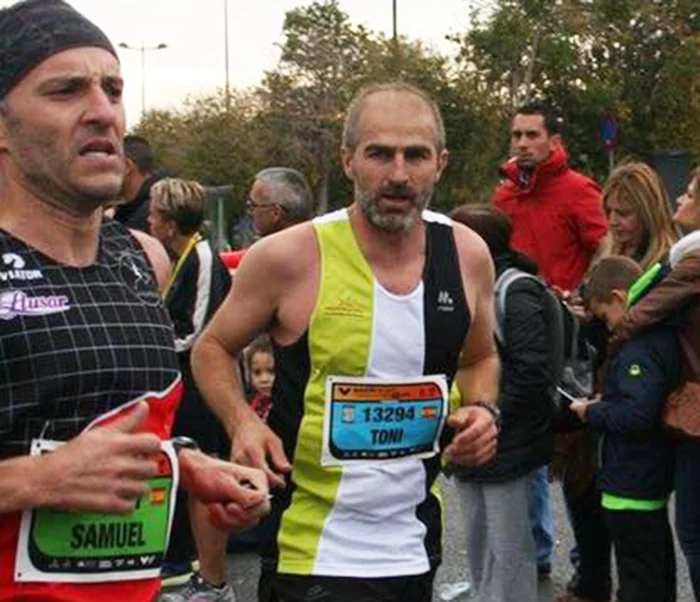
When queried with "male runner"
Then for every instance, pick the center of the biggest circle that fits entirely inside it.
(85, 482)
(374, 310)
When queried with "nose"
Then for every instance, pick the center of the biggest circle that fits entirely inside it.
(101, 109)
(399, 174)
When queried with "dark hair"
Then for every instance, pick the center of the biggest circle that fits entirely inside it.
(495, 228)
(552, 122)
(614, 273)
(261, 344)
(139, 151)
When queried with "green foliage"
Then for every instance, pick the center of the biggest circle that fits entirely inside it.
(636, 58)
(639, 59)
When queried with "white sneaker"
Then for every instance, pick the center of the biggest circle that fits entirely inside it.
(199, 590)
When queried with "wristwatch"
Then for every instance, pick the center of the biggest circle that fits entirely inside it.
(493, 410)
(181, 442)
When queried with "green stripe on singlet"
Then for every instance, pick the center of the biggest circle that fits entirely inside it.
(340, 333)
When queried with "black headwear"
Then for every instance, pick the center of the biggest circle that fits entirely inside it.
(33, 30)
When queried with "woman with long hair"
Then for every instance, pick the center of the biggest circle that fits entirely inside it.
(678, 295)
(639, 214)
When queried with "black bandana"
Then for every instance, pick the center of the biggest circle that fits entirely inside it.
(33, 30)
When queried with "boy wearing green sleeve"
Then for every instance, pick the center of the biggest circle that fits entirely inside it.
(636, 476)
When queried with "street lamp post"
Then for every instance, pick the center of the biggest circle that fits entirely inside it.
(143, 50)
(395, 39)
(228, 86)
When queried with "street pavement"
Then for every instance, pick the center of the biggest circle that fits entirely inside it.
(243, 567)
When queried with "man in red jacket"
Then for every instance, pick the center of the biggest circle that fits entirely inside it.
(558, 221)
(556, 212)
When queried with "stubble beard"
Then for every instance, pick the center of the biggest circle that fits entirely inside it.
(37, 162)
(390, 222)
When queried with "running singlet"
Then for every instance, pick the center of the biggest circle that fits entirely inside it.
(75, 344)
(359, 402)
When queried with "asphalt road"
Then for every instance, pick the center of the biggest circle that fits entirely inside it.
(243, 567)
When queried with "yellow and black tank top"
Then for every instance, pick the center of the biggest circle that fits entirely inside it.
(368, 519)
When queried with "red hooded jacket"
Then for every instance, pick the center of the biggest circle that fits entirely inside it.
(557, 217)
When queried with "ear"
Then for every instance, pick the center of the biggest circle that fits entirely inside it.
(130, 166)
(555, 141)
(278, 214)
(619, 295)
(443, 160)
(346, 158)
(4, 136)
(172, 228)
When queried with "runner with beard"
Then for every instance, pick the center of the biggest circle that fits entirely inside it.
(374, 310)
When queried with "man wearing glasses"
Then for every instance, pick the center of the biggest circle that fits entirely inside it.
(280, 197)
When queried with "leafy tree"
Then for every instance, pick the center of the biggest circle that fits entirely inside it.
(638, 59)
(323, 57)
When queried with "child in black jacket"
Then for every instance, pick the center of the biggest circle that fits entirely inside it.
(636, 476)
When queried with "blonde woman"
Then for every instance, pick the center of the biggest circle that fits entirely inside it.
(639, 214)
(198, 284)
(679, 295)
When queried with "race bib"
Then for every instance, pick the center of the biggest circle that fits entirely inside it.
(85, 547)
(376, 419)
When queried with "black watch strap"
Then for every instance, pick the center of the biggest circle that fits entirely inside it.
(493, 410)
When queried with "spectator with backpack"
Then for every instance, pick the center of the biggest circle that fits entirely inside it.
(494, 497)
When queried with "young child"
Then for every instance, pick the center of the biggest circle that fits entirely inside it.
(636, 476)
(260, 364)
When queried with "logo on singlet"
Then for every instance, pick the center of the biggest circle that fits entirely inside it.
(17, 272)
(445, 302)
(135, 275)
(18, 303)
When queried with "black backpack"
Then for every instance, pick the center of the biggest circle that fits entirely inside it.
(572, 356)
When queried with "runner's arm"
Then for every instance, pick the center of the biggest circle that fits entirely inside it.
(236, 496)
(248, 310)
(479, 368)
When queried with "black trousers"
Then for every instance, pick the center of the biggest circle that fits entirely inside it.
(646, 562)
(294, 588)
(592, 541)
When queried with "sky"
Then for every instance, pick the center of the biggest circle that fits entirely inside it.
(194, 61)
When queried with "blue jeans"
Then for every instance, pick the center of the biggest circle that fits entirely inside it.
(688, 507)
(540, 513)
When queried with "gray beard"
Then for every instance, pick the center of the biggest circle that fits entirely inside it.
(389, 222)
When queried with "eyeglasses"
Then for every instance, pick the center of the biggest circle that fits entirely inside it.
(251, 205)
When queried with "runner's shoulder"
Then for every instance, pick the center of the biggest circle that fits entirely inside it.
(471, 248)
(284, 255)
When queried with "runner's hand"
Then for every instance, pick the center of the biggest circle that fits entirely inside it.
(256, 445)
(102, 470)
(476, 438)
(236, 496)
